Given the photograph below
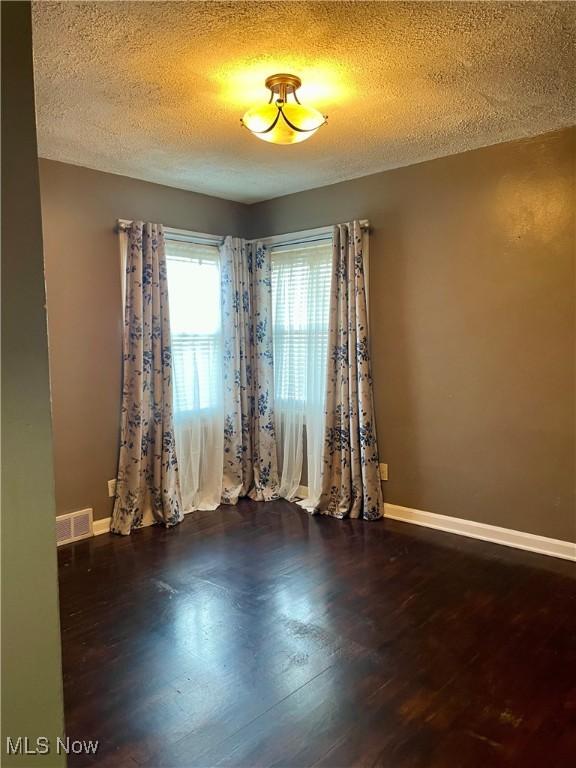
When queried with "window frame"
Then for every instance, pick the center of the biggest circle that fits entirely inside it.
(309, 236)
(301, 237)
(170, 233)
(305, 236)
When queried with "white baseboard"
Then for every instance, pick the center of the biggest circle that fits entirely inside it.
(493, 533)
(101, 526)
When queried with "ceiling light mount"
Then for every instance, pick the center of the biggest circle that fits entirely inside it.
(282, 85)
(281, 120)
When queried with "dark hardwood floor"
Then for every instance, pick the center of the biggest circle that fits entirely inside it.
(259, 636)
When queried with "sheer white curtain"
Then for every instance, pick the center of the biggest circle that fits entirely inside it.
(301, 279)
(195, 324)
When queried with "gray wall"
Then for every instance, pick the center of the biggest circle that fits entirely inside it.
(31, 675)
(472, 326)
(79, 212)
(472, 321)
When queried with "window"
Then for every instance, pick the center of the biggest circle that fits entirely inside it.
(301, 277)
(194, 290)
(194, 293)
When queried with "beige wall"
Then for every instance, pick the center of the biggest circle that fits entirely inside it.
(31, 674)
(472, 325)
(79, 211)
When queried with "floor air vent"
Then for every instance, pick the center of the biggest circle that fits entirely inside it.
(74, 526)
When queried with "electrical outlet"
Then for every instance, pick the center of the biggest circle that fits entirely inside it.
(383, 471)
(112, 488)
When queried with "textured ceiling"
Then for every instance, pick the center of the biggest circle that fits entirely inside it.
(155, 90)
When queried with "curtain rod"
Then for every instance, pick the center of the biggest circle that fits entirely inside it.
(181, 235)
(319, 234)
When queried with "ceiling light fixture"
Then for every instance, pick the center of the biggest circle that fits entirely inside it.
(281, 121)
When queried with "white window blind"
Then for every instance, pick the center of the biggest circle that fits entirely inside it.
(301, 277)
(194, 292)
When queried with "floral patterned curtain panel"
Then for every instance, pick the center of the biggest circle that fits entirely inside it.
(147, 469)
(350, 479)
(148, 478)
(250, 462)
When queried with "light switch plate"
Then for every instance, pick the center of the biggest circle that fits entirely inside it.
(383, 471)
(112, 488)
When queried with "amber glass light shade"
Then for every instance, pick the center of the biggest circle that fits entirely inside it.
(283, 121)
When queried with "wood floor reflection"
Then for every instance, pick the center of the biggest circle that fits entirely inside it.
(259, 636)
